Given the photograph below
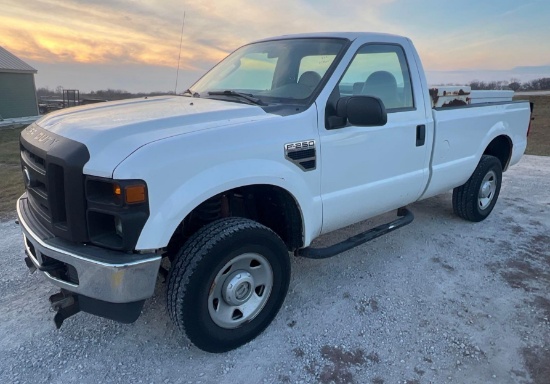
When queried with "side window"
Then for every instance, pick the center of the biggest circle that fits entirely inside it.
(379, 70)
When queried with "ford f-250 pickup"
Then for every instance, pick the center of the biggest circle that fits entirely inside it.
(284, 140)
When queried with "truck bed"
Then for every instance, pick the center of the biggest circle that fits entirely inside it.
(456, 128)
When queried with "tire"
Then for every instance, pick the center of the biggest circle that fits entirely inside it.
(227, 283)
(475, 199)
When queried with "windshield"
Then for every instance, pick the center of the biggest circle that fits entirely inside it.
(276, 71)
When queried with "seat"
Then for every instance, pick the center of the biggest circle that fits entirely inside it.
(310, 79)
(383, 85)
(358, 88)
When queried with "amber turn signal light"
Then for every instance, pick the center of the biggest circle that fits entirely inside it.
(135, 194)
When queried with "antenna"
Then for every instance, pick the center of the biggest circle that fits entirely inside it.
(179, 55)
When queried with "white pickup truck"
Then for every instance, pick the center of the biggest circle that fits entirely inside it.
(286, 139)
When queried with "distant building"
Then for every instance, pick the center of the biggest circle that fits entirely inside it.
(17, 88)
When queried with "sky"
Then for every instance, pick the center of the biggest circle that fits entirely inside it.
(133, 45)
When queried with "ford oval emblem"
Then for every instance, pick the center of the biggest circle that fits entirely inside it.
(27, 177)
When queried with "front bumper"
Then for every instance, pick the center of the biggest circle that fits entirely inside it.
(97, 273)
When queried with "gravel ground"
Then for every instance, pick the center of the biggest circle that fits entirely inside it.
(441, 300)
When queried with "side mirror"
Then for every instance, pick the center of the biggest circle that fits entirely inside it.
(363, 111)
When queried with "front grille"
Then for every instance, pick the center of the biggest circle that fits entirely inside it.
(52, 169)
(38, 163)
(58, 211)
(34, 174)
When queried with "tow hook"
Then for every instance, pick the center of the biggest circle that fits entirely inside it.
(49, 267)
(65, 304)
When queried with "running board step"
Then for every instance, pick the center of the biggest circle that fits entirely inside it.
(405, 217)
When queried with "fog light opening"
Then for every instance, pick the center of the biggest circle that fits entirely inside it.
(118, 226)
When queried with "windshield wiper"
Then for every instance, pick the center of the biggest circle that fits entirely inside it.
(188, 91)
(245, 96)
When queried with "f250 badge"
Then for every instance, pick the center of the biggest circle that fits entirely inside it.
(302, 153)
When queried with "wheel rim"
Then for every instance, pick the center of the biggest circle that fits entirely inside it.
(487, 190)
(240, 290)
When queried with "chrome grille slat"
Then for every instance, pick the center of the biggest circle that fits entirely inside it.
(41, 191)
(32, 164)
(37, 209)
(37, 188)
(40, 200)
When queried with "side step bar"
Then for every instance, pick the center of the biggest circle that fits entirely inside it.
(405, 217)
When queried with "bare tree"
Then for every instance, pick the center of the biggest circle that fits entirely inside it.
(514, 85)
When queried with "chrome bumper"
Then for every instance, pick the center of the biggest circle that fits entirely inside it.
(102, 274)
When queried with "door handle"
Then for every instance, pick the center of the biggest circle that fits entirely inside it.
(420, 135)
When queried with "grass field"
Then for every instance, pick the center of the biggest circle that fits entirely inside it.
(11, 181)
(539, 137)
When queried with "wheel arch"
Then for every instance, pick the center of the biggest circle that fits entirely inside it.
(501, 148)
(173, 199)
(268, 204)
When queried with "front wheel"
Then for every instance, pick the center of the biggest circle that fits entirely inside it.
(227, 283)
(475, 199)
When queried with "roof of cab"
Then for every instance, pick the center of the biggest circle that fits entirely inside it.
(342, 35)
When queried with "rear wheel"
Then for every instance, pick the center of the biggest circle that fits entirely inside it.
(227, 283)
(475, 199)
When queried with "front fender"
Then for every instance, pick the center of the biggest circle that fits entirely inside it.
(182, 171)
(169, 207)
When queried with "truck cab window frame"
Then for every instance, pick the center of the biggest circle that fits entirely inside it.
(392, 66)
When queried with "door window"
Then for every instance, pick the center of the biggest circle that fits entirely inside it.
(380, 70)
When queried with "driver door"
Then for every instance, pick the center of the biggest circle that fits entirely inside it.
(367, 171)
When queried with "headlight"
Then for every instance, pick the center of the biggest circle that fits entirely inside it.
(117, 211)
(117, 192)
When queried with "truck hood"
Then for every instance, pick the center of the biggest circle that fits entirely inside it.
(112, 131)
